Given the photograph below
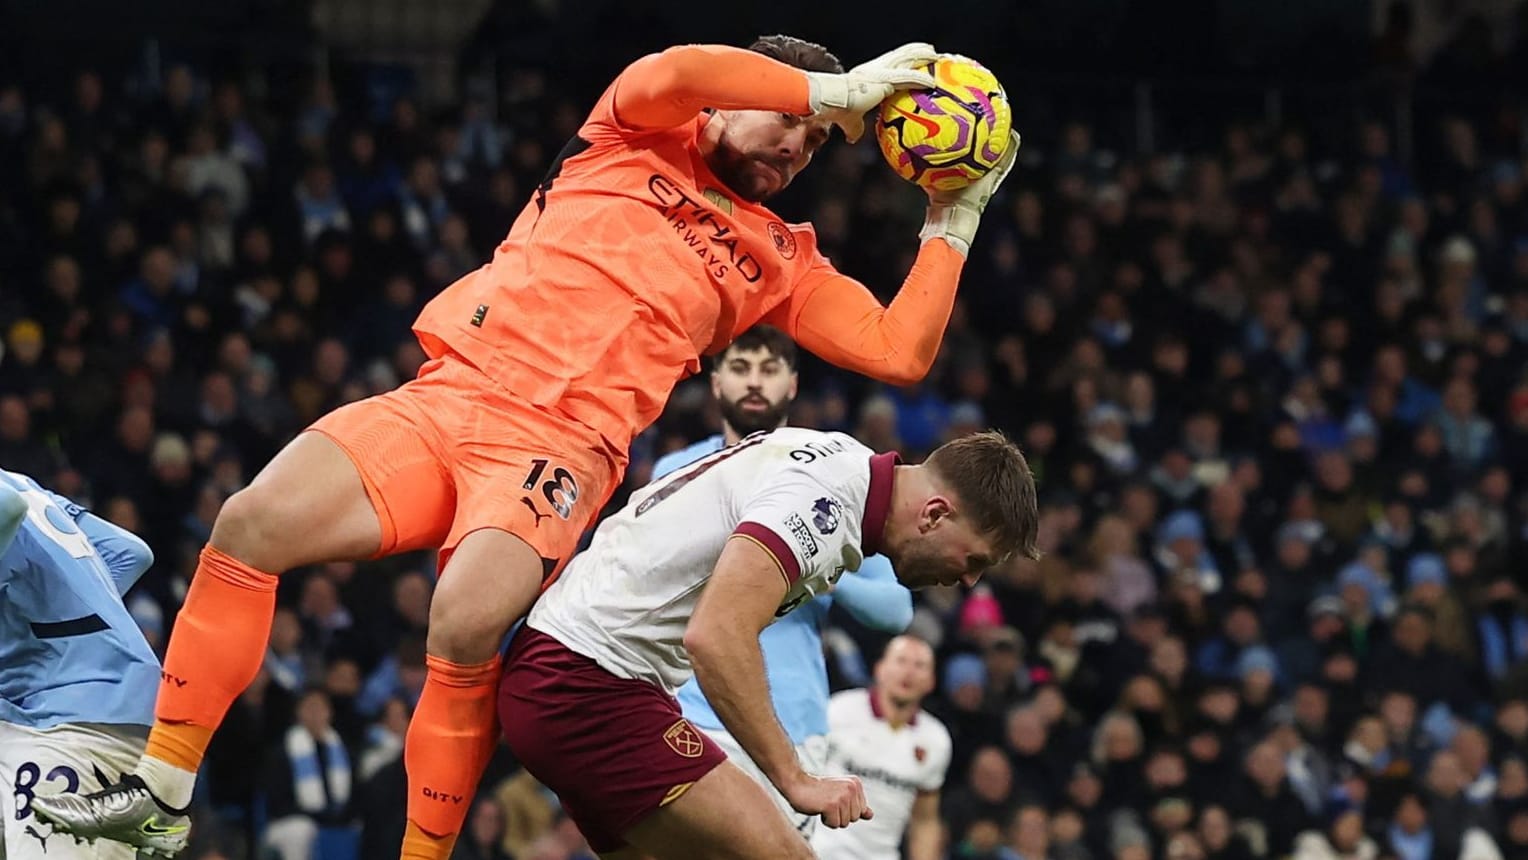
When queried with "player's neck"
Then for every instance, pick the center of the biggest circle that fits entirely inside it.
(731, 437)
(896, 714)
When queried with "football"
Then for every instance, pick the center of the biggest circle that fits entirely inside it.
(948, 137)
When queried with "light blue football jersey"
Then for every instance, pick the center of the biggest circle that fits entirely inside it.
(69, 650)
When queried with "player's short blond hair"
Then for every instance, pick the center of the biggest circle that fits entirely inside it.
(992, 480)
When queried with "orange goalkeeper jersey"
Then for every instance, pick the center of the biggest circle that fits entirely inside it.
(632, 260)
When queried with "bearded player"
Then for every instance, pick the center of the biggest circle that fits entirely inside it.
(645, 247)
(686, 577)
(754, 382)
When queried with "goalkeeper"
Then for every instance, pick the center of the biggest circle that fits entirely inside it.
(645, 247)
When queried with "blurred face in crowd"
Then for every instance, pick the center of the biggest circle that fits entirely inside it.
(1265, 765)
(1311, 707)
(1067, 827)
(1143, 693)
(906, 671)
(1512, 780)
(754, 389)
(411, 597)
(286, 632)
(1169, 659)
(1026, 731)
(1242, 626)
(1512, 719)
(1473, 749)
(1084, 789)
(1410, 815)
(343, 678)
(757, 153)
(1369, 733)
(1031, 832)
(1257, 686)
(1445, 777)
(1165, 771)
(1214, 828)
(15, 419)
(320, 598)
(1399, 713)
(1517, 829)
(1121, 739)
(991, 777)
(314, 713)
(1050, 704)
(1413, 633)
(983, 837)
(1219, 704)
(487, 822)
(1347, 831)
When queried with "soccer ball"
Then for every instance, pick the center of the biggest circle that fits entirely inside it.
(948, 137)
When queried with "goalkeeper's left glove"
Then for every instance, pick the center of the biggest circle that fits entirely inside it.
(845, 99)
(954, 215)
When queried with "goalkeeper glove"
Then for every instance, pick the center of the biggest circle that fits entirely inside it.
(845, 99)
(954, 215)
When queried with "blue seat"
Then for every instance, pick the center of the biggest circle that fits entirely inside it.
(338, 843)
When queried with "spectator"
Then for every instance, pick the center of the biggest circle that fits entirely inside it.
(1343, 839)
(485, 832)
(307, 780)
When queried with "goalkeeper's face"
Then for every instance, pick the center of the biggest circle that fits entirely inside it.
(759, 152)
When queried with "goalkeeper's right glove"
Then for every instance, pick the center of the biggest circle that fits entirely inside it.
(845, 99)
(954, 215)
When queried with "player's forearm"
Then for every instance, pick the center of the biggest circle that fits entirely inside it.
(730, 670)
(924, 839)
(663, 90)
(844, 324)
(13, 510)
(877, 604)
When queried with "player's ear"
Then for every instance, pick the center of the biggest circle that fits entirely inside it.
(716, 382)
(935, 510)
(795, 383)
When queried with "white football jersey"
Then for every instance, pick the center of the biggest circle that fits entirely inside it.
(892, 764)
(817, 502)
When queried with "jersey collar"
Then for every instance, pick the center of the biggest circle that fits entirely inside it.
(878, 502)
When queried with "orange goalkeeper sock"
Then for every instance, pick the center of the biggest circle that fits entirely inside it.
(215, 652)
(449, 743)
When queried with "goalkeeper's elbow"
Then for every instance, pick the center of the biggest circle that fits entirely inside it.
(905, 372)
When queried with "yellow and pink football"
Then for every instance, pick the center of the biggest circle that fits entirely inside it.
(948, 137)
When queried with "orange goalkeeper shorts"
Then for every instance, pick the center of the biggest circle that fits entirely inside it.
(452, 451)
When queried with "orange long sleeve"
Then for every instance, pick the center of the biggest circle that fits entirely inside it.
(838, 319)
(664, 90)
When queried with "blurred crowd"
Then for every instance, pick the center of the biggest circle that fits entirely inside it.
(1273, 389)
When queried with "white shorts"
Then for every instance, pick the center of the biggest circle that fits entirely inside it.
(812, 753)
(69, 758)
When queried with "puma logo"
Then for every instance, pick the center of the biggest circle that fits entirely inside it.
(532, 505)
(32, 832)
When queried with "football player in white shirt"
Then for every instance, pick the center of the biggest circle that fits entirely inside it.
(899, 752)
(682, 581)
